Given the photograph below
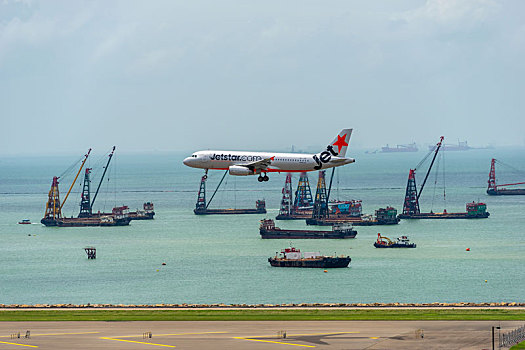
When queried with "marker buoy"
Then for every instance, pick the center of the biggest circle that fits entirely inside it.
(157, 270)
(468, 249)
(325, 271)
(163, 264)
(485, 281)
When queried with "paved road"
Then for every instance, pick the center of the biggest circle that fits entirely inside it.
(252, 335)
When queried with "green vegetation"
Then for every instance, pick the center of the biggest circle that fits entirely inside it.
(519, 346)
(261, 315)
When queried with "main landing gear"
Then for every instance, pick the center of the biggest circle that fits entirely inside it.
(262, 178)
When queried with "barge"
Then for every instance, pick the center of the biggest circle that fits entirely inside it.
(474, 211)
(505, 191)
(147, 214)
(383, 216)
(295, 215)
(292, 257)
(260, 208)
(118, 217)
(339, 231)
(83, 222)
(385, 242)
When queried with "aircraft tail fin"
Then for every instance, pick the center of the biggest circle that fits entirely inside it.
(340, 143)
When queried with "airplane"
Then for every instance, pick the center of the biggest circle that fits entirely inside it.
(244, 163)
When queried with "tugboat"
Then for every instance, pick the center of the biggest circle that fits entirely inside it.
(385, 242)
(292, 257)
(268, 230)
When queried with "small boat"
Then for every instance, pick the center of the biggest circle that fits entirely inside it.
(385, 242)
(292, 257)
(25, 222)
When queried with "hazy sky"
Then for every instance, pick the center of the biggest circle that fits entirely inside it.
(188, 75)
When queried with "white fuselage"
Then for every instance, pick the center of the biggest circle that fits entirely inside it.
(281, 162)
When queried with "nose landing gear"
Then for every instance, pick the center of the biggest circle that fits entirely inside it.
(262, 178)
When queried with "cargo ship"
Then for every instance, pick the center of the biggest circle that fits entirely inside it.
(400, 148)
(385, 242)
(461, 146)
(339, 231)
(292, 257)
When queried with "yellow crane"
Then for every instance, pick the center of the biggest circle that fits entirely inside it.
(76, 177)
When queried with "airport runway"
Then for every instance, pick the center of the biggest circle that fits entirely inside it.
(262, 335)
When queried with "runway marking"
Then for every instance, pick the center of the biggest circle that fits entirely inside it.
(165, 335)
(31, 346)
(138, 342)
(275, 342)
(118, 338)
(291, 335)
(39, 335)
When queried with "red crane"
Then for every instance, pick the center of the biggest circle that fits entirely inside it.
(494, 189)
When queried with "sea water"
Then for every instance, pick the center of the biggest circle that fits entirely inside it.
(222, 259)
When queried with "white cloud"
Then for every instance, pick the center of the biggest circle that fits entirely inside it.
(115, 40)
(452, 12)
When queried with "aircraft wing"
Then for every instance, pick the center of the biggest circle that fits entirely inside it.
(260, 165)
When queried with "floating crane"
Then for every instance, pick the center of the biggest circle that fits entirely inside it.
(53, 207)
(201, 207)
(411, 208)
(411, 205)
(86, 204)
(53, 214)
(499, 190)
(302, 205)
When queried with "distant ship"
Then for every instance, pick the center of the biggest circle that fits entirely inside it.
(461, 146)
(400, 148)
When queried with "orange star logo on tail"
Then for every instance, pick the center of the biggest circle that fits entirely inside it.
(340, 143)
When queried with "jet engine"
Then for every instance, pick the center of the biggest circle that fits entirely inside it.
(240, 170)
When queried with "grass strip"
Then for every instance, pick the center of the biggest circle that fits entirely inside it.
(520, 346)
(261, 315)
